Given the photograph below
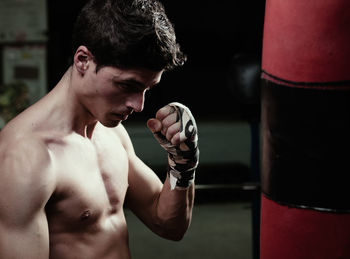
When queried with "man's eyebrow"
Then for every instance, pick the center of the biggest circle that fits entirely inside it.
(132, 82)
(136, 83)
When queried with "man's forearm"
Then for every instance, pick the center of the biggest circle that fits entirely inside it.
(174, 211)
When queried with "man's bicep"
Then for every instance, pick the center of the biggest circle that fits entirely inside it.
(25, 187)
(144, 184)
(144, 190)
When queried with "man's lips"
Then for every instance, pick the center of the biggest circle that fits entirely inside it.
(121, 116)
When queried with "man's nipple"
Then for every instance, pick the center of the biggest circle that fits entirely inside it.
(85, 215)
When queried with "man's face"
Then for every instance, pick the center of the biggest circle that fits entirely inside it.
(116, 93)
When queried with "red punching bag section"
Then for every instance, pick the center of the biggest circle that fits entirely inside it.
(305, 205)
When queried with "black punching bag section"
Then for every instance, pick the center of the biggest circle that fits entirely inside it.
(305, 204)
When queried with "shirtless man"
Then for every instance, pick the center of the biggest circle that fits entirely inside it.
(67, 165)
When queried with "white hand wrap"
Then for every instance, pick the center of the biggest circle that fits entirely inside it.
(182, 159)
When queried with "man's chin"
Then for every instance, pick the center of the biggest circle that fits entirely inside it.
(110, 123)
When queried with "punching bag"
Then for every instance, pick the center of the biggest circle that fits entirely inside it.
(305, 203)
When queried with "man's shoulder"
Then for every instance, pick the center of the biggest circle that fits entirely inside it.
(17, 138)
(23, 153)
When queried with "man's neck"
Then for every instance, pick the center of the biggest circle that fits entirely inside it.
(68, 114)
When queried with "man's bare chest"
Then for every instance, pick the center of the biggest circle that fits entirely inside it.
(92, 179)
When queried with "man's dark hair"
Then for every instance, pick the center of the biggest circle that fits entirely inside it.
(128, 34)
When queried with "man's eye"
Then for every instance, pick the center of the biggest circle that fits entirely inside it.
(122, 86)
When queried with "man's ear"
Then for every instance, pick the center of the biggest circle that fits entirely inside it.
(82, 59)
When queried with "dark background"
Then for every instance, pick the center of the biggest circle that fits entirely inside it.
(210, 33)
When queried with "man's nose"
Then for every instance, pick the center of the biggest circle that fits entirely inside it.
(136, 101)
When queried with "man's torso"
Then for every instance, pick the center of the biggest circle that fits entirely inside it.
(85, 213)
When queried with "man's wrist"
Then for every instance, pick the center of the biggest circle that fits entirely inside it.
(181, 180)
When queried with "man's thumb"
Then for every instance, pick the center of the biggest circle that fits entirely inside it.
(154, 125)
